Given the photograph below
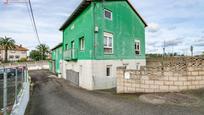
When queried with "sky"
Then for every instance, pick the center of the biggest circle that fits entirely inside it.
(176, 23)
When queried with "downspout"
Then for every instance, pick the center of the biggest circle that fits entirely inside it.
(94, 52)
(94, 21)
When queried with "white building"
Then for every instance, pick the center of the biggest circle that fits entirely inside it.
(14, 55)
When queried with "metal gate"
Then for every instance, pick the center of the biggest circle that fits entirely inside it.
(73, 77)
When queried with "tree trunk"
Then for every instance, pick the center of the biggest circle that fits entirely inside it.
(6, 54)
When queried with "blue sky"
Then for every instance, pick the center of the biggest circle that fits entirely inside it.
(180, 23)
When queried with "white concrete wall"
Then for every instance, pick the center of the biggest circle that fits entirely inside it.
(99, 71)
(92, 73)
(85, 72)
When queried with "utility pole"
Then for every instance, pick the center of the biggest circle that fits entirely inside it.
(191, 50)
(164, 49)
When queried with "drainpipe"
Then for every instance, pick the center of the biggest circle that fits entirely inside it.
(94, 21)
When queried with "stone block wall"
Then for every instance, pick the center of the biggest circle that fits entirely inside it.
(169, 76)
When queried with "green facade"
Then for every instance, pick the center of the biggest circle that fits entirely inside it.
(57, 55)
(126, 27)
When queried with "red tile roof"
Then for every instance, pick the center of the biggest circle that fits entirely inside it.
(18, 48)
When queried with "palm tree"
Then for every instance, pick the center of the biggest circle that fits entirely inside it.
(7, 44)
(44, 50)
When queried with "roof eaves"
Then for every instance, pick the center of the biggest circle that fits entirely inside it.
(57, 46)
(77, 11)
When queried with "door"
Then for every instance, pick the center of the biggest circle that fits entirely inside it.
(73, 77)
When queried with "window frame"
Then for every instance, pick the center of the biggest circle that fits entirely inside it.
(135, 47)
(111, 14)
(108, 35)
(80, 44)
(110, 70)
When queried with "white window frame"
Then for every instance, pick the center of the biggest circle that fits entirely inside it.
(82, 44)
(106, 10)
(135, 48)
(108, 35)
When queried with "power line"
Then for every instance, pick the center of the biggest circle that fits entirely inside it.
(34, 23)
(31, 15)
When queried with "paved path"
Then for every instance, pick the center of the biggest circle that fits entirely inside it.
(53, 96)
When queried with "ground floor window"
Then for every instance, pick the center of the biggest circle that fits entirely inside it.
(108, 71)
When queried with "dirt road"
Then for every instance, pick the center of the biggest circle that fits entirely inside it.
(53, 96)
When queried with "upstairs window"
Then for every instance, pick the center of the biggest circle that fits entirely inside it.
(107, 14)
(82, 44)
(137, 47)
(108, 43)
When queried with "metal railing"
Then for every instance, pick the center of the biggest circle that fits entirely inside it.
(11, 85)
(71, 54)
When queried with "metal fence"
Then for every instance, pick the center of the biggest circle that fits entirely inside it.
(11, 85)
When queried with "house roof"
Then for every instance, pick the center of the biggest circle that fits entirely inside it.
(84, 4)
(17, 48)
(57, 46)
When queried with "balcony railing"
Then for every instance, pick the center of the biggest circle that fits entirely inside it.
(71, 54)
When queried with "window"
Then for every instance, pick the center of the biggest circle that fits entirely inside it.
(137, 47)
(11, 56)
(108, 71)
(108, 43)
(107, 14)
(82, 44)
(23, 52)
(17, 57)
(66, 46)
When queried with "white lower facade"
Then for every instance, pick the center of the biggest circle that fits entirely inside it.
(93, 73)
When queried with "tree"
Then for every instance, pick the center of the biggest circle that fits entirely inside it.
(44, 50)
(35, 55)
(7, 44)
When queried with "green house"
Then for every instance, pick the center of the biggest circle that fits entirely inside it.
(57, 55)
(98, 37)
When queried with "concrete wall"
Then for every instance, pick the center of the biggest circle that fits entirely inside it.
(172, 76)
(23, 99)
(31, 65)
(92, 73)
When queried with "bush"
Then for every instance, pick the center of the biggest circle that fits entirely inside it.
(23, 60)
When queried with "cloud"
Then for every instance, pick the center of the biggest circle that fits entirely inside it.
(153, 27)
(174, 42)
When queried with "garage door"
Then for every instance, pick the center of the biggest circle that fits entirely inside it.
(73, 77)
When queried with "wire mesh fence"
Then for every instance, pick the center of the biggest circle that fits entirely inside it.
(11, 85)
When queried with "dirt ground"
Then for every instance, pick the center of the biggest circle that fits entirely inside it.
(52, 96)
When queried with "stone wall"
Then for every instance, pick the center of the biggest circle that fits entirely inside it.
(172, 75)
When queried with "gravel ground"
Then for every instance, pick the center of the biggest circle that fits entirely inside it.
(53, 96)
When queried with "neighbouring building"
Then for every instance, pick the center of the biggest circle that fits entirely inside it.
(56, 59)
(99, 36)
(16, 54)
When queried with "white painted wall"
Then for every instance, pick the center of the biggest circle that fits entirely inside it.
(21, 54)
(85, 72)
(92, 73)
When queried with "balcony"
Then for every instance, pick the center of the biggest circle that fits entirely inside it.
(71, 54)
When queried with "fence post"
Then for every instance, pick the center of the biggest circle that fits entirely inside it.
(5, 92)
(16, 85)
